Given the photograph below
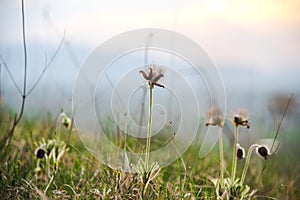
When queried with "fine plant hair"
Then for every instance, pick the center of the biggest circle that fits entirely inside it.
(24, 93)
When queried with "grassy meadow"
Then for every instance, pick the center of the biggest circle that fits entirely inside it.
(66, 170)
(42, 155)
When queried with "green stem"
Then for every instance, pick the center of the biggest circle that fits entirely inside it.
(234, 159)
(149, 129)
(221, 157)
(251, 148)
(50, 182)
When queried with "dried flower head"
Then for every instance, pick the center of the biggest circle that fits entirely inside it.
(240, 118)
(240, 152)
(263, 151)
(40, 153)
(215, 117)
(153, 74)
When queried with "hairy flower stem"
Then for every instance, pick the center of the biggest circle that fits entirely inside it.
(234, 159)
(149, 128)
(221, 157)
(251, 148)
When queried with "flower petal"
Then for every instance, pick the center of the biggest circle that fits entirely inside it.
(150, 73)
(144, 75)
(157, 78)
(159, 85)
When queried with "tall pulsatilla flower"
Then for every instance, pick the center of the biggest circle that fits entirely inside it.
(215, 117)
(240, 118)
(153, 75)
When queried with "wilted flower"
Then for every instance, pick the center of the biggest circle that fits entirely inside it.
(240, 118)
(153, 75)
(40, 153)
(263, 151)
(215, 117)
(240, 152)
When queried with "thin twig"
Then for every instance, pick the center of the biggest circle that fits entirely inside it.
(10, 75)
(283, 115)
(0, 81)
(47, 65)
(277, 131)
(25, 65)
(18, 117)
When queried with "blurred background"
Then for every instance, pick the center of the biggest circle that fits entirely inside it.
(255, 45)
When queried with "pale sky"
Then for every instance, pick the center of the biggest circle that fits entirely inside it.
(253, 33)
(254, 43)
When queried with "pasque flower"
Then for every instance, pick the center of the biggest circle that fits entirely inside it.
(153, 75)
(263, 151)
(240, 118)
(215, 117)
(240, 152)
(40, 153)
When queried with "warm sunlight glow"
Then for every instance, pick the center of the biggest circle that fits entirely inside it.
(216, 7)
(248, 11)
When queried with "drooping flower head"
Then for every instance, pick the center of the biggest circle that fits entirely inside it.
(66, 121)
(215, 117)
(240, 118)
(263, 151)
(240, 152)
(40, 153)
(267, 147)
(153, 74)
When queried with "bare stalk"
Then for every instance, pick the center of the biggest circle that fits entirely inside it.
(221, 156)
(149, 129)
(234, 159)
(283, 115)
(18, 117)
(25, 67)
(277, 131)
